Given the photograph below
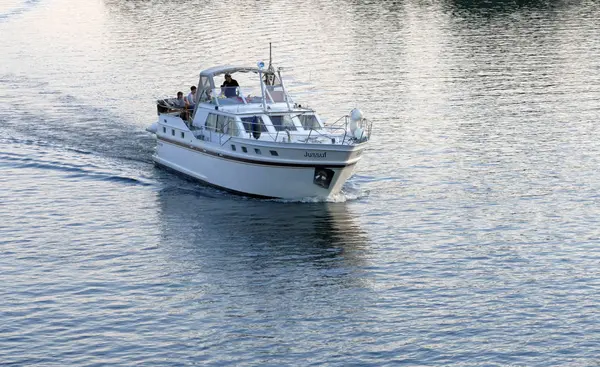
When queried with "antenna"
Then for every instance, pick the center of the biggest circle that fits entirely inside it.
(270, 73)
(270, 57)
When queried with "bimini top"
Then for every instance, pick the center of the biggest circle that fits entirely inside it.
(266, 91)
(228, 69)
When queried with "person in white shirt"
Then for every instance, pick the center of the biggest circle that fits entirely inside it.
(191, 98)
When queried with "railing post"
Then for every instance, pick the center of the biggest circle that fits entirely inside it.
(285, 95)
(262, 89)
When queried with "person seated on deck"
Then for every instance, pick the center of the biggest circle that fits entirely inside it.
(180, 102)
(191, 98)
(229, 86)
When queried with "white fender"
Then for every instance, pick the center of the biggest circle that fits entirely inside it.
(152, 128)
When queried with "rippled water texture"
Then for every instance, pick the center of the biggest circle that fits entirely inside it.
(467, 237)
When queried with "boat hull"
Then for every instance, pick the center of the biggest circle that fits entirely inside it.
(259, 179)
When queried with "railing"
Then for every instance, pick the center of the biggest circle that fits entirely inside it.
(241, 95)
(339, 129)
(236, 95)
(361, 133)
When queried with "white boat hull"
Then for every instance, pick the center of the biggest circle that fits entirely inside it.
(261, 179)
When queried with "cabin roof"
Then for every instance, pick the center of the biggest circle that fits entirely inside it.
(223, 69)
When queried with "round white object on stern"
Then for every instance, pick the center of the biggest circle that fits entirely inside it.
(152, 128)
(355, 116)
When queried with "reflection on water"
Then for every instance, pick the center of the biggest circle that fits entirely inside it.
(493, 7)
(264, 273)
(223, 226)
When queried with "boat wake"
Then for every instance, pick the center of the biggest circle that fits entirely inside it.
(350, 192)
(71, 164)
(62, 120)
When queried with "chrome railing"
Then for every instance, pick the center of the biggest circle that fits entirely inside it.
(361, 133)
(340, 129)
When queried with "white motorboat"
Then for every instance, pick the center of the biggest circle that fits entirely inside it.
(253, 139)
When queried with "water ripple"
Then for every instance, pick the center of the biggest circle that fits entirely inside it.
(468, 235)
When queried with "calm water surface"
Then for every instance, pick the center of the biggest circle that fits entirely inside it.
(469, 235)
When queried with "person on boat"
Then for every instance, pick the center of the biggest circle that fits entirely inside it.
(229, 86)
(180, 102)
(191, 97)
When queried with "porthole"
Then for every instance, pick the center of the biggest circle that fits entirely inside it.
(257, 151)
(182, 135)
(273, 152)
(244, 150)
(233, 147)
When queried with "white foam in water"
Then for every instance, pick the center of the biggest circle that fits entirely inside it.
(350, 191)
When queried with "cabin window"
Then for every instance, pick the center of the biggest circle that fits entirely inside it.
(173, 132)
(233, 147)
(257, 151)
(255, 121)
(273, 152)
(204, 89)
(164, 130)
(182, 135)
(244, 150)
(211, 122)
(276, 93)
(226, 125)
(282, 122)
(222, 124)
(231, 127)
(309, 122)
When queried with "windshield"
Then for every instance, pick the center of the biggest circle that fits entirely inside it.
(309, 122)
(253, 123)
(282, 122)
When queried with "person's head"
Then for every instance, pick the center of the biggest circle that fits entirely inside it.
(227, 77)
(179, 95)
(193, 89)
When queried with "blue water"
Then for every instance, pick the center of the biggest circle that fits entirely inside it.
(469, 235)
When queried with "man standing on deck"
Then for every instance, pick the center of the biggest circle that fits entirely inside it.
(229, 86)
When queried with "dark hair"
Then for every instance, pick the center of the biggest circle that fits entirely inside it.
(193, 87)
(179, 94)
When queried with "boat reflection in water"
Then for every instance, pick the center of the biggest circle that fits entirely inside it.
(260, 273)
(234, 234)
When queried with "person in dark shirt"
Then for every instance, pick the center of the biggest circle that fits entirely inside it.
(229, 86)
(180, 101)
